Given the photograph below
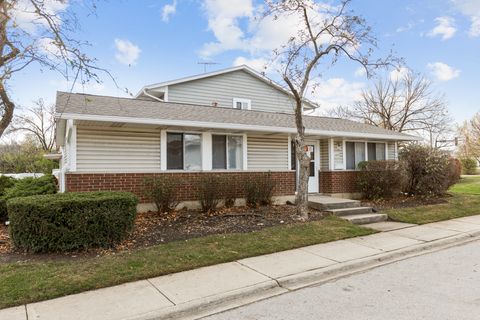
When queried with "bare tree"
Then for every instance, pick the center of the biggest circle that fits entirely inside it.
(39, 122)
(469, 134)
(41, 33)
(404, 104)
(326, 34)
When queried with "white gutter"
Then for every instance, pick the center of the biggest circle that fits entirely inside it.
(145, 92)
(235, 126)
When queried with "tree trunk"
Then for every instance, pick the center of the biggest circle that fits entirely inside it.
(8, 107)
(301, 199)
(303, 158)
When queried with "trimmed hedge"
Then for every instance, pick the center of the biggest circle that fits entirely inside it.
(5, 183)
(25, 187)
(69, 221)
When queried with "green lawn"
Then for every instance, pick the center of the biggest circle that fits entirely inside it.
(465, 201)
(467, 185)
(34, 281)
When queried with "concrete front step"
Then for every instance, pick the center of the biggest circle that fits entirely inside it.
(350, 211)
(328, 203)
(366, 218)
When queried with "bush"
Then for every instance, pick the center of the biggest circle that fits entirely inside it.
(380, 179)
(259, 190)
(68, 221)
(27, 187)
(469, 166)
(229, 192)
(209, 192)
(454, 171)
(427, 170)
(162, 190)
(5, 183)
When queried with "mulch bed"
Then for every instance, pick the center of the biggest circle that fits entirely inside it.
(152, 228)
(404, 202)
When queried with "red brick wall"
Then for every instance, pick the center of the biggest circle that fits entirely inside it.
(133, 182)
(338, 182)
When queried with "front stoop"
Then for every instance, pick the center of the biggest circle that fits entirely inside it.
(347, 209)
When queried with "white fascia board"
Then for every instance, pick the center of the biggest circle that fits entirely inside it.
(235, 126)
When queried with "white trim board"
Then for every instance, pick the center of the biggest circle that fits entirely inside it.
(235, 126)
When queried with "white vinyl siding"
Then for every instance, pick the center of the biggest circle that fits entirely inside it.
(391, 151)
(267, 152)
(222, 89)
(117, 150)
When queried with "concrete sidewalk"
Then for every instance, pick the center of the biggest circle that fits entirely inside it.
(196, 293)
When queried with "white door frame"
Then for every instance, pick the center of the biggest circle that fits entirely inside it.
(313, 182)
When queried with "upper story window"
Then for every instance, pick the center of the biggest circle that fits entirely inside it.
(184, 151)
(242, 104)
(227, 152)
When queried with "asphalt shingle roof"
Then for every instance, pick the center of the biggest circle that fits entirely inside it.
(85, 104)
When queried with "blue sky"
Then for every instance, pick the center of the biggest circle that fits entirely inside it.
(147, 41)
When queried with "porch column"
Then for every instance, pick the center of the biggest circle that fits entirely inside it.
(207, 151)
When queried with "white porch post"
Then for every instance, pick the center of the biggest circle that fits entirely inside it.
(73, 148)
(366, 151)
(245, 152)
(207, 151)
(344, 154)
(331, 156)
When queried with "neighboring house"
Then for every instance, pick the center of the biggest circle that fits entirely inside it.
(233, 122)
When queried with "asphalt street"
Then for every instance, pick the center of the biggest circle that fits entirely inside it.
(439, 285)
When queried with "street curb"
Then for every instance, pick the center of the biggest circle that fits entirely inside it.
(323, 275)
(234, 299)
(216, 303)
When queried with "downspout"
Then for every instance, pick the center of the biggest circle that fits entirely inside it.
(145, 92)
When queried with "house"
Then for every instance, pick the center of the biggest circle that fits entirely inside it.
(234, 122)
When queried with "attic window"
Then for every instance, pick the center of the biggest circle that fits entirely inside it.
(242, 104)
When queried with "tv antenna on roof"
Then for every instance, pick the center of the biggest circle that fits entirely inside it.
(206, 63)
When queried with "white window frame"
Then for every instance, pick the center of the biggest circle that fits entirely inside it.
(242, 167)
(242, 101)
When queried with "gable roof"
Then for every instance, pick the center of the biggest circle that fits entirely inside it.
(244, 68)
(104, 108)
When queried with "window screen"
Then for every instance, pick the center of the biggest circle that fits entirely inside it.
(174, 151)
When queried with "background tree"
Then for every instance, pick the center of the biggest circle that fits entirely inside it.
(326, 34)
(469, 134)
(24, 157)
(40, 33)
(39, 122)
(404, 104)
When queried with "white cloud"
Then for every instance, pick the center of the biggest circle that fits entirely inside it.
(442, 71)
(398, 73)
(169, 10)
(335, 92)
(475, 27)
(238, 25)
(360, 72)
(224, 21)
(24, 16)
(445, 28)
(127, 52)
(259, 64)
(470, 8)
